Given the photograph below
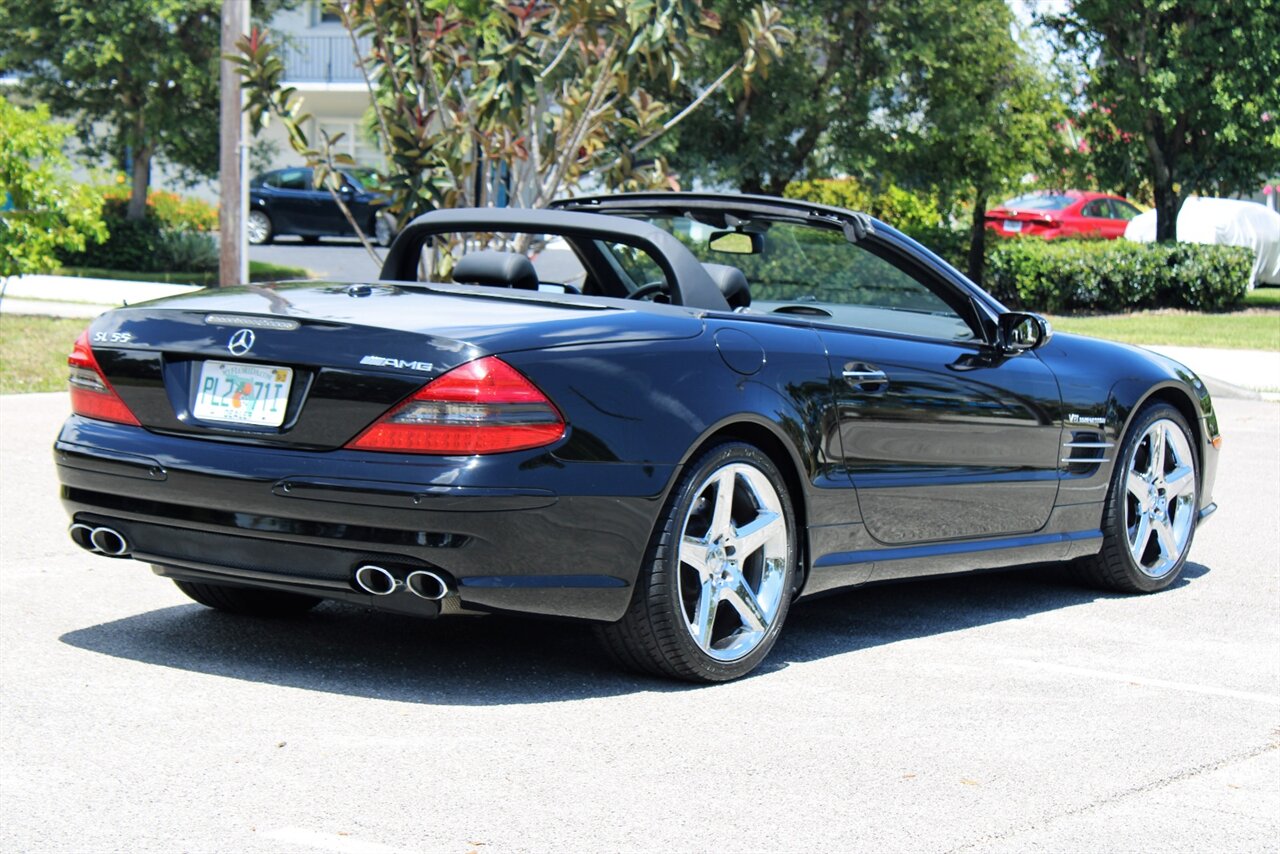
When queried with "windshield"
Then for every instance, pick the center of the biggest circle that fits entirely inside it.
(364, 178)
(813, 271)
(1039, 202)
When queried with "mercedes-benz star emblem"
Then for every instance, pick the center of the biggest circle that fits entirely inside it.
(241, 342)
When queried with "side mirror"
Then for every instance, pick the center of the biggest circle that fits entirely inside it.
(736, 242)
(1022, 330)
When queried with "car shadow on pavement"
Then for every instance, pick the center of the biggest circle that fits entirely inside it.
(499, 660)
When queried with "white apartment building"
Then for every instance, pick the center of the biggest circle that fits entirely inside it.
(320, 63)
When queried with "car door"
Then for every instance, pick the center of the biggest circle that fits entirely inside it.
(295, 208)
(1121, 213)
(1096, 219)
(942, 436)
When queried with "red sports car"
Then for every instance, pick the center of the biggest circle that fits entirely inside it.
(1063, 213)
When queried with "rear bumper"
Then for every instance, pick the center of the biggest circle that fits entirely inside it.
(304, 521)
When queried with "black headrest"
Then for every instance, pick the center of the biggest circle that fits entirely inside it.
(489, 267)
(732, 282)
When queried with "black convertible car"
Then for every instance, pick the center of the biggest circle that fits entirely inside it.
(287, 201)
(717, 404)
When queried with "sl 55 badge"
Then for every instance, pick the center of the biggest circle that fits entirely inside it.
(112, 337)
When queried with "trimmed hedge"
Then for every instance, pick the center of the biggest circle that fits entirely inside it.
(145, 245)
(1116, 275)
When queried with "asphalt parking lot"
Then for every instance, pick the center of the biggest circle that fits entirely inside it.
(337, 258)
(1006, 712)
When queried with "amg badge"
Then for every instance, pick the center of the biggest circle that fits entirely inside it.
(385, 362)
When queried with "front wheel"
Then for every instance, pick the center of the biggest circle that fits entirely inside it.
(1150, 515)
(717, 582)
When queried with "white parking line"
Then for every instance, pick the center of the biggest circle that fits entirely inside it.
(329, 841)
(1271, 699)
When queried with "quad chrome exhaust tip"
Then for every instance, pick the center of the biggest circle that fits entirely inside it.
(100, 540)
(376, 581)
(380, 581)
(426, 585)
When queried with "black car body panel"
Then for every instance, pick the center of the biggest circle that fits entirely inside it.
(296, 206)
(964, 457)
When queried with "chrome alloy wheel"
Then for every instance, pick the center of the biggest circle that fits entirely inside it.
(733, 562)
(1160, 503)
(258, 227)
(383, 230)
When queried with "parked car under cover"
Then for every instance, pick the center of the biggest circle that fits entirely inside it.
(730, 402)
(1228, 222)
(286, 201)
(1063, 213)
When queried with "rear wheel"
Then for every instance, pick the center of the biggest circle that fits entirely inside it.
(384, 229)
(259, 228)
(711, 599)
(1150, 515)
(247, 600)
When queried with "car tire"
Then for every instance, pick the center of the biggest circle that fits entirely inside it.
(259, 227)
(251, 601)
(1149, 519)
(719, 574)
(384, 229)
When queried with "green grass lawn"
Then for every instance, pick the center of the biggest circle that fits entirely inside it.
(259, 271)
(1240, 330)
(33, 351)
(1264, 296)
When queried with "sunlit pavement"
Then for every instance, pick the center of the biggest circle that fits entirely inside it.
(1005, 712)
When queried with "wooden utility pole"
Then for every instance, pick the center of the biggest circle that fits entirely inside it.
(233, 207)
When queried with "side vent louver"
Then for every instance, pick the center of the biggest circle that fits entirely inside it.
(1085, 451)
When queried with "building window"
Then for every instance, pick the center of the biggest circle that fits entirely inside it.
(322, 15)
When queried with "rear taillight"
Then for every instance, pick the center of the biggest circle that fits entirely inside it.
(91, 395)
(482, 407)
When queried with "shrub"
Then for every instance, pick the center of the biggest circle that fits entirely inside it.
(904, 210)
(172, 211)
(1116, 275)
(146, 245)
(187, 252)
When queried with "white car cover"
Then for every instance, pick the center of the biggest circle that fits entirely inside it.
(1230, 222)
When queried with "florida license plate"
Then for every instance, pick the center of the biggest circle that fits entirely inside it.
(243, 394)
(1012, 225)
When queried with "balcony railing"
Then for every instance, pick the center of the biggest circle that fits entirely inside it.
(322, 59)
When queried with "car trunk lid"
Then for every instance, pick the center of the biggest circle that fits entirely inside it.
(310, 366)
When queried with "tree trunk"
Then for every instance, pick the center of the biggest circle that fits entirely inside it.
(1162, 183)
(978, 237)
(1167, 205)
(141, 180)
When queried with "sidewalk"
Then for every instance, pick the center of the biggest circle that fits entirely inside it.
(74, 296)
(1229, 373)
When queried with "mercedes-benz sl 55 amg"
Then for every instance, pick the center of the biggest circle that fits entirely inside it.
(671, 415)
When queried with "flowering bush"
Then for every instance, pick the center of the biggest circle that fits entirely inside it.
(170, 210)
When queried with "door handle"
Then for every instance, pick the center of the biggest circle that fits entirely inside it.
(866, 378)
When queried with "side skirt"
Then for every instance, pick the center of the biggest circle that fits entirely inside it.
(835, 570)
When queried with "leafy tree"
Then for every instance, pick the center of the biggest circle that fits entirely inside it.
(146, 69)
(932, 96)
(819, 97)
(41, 209)
(481, 101)
(974, 114)
(1186, 90)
